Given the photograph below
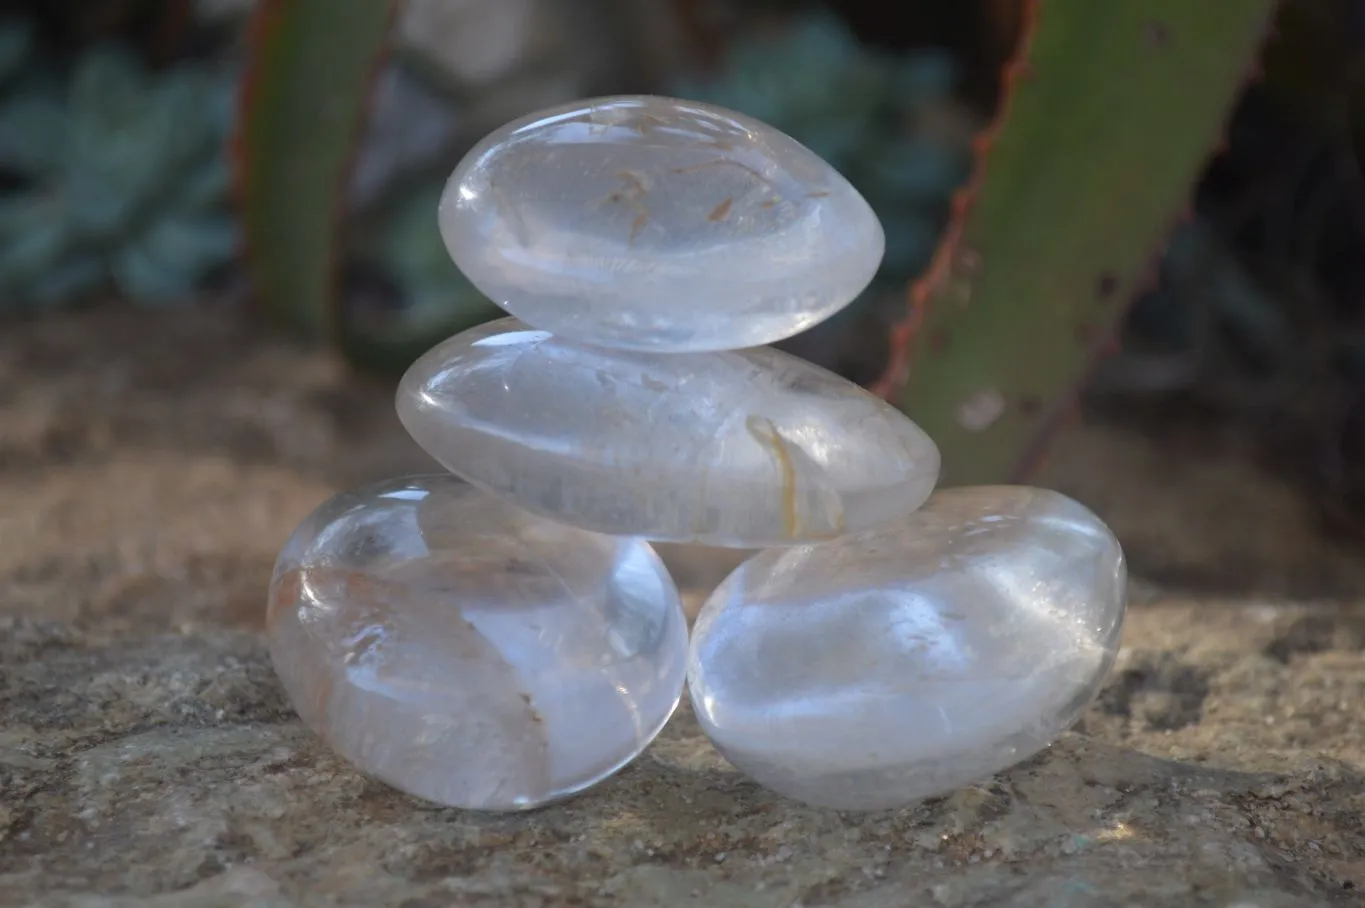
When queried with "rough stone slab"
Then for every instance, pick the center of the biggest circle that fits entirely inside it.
(170, 764)
(149, 468)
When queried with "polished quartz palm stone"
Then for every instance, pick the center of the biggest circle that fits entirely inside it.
(877, 670)
(657, 224)
(745, 448)
(470, 653)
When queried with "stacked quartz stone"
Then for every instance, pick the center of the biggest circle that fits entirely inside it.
(505, 636)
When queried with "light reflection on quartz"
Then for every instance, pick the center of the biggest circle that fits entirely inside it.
(458, 648)
(882, 668)
(657, 224)
(742, 448)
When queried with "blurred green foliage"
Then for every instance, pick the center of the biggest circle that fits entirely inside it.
(120, 177)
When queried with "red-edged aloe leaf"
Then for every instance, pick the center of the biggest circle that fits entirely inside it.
(1111, 110)
(302, 107)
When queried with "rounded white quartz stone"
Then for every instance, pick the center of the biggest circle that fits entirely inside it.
(745, 448)
(652, 223)
(470, 653)
(877, 670)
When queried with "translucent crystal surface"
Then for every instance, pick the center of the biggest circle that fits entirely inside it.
(746, 448)
(876, 670)
(468, 652)
(657, 224)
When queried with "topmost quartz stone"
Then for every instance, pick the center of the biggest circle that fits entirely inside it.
(656, 224)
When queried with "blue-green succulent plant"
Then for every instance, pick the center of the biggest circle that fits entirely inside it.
(122, 177)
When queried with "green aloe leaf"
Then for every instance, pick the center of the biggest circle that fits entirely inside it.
(1111, 111)
(310, 72)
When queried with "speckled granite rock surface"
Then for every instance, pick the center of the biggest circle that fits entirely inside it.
(150, 466)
